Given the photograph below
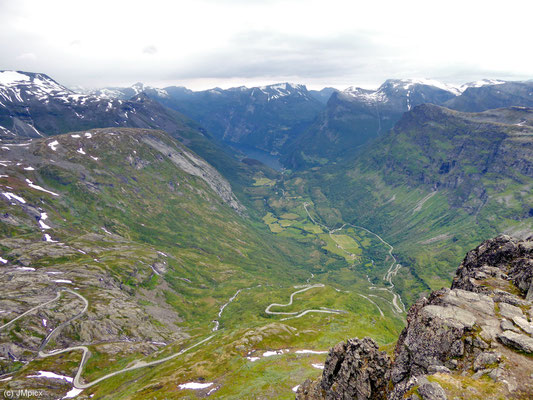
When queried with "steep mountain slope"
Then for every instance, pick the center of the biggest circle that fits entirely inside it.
(476, 336)
(489, 95)
(264, 117)
(355, 116)
(437, 183)
(34, 105)
(323, 95)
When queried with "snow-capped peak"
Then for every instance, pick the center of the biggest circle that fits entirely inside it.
(480, 83)
(10, 78)
(18, 86)
(286, 86)
(278, 90)
(368, 96)
(138, 87)
(407, 84)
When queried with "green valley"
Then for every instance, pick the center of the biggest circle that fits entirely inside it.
(167, 256)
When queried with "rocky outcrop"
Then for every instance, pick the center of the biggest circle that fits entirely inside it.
(499, 259)
(481, 327)
(353, 370)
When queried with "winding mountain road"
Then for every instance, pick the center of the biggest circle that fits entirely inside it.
(32, 310)
(267, 310)
(397, 304)
(389, 275)
(298, 314)
(86, 353)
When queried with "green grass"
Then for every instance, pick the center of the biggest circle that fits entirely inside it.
(264, 182)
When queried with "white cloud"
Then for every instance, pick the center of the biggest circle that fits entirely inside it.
(151, 49)
(208, 42)
(27, 56)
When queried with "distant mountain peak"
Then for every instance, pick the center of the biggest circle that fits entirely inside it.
(480, 83)
(19, 87)
(365, 95)
(284, 86)
(138, 87)
(407, 84)
(277, 90)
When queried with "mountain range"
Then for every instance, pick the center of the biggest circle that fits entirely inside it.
(181, 266)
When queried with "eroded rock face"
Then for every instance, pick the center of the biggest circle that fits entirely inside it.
(482, 326)
(500, 259)
(355, 369)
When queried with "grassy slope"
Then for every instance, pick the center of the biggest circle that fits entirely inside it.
(151, 206)
(391, 190)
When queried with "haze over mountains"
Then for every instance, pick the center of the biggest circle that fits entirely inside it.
(157, 208)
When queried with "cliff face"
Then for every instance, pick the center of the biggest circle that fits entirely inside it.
(474, 340)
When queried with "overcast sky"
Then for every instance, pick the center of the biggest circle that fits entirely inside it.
(206, 43)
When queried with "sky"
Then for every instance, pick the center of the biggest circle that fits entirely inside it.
(202, 44)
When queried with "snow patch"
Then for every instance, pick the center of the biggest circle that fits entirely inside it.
(51, 375)
(252, 359)
(25, 269)
(295, 389)
(44, 217)
(318, 366)
(72, 393)
(274, 353)
(37, 187)
(47, 238)
(75, 136)
(62, 281)
(9, 78)
(3, 260)
(195, 385)
(29, 168)
(80, 150)
(88, 135)
(11, 196)
(53, 145)
(311, 352)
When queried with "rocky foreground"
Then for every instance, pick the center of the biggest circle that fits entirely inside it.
(473, 341)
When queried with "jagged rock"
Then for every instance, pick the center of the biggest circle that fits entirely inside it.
(486, 358)
(434, 335)
(432, 391)
(433, 369)
(520, 342)
(355, 369)
(478, 325)
(512, 257)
